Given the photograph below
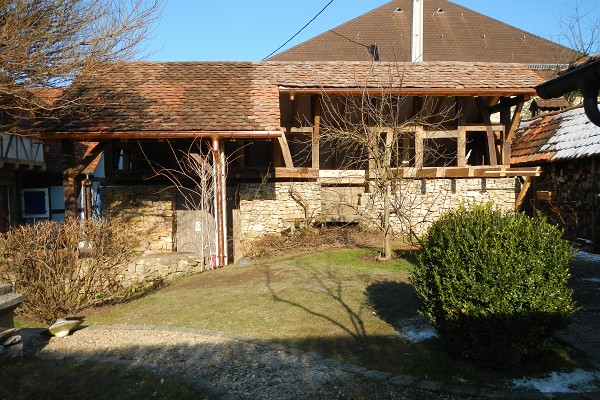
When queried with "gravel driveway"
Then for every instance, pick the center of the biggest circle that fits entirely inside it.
(235, 367)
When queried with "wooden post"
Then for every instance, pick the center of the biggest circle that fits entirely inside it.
(316, 135)
(491, 140)
(462, 133)
(285, 150)
(67, 149)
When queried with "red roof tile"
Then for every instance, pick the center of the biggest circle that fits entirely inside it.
(243, 96)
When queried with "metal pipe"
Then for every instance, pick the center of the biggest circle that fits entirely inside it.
(216, 151)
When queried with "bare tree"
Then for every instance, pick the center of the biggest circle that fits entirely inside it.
(375, 132)
(46, 44)
(580, 29)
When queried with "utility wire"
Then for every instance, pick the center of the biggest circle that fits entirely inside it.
(297, 33)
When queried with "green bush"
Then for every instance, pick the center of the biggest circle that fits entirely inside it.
(494, 284)
(63, 268)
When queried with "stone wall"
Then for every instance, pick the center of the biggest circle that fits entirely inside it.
(272, 209)
(276, 207)
(150, 210)
(418, 203)
(162, 266)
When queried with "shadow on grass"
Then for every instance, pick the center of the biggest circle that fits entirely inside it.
(333, 288)
(392, 301)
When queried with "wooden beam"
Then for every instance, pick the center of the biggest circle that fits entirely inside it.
(514, 123)
(491, 143)
(408, 91)
(506, 120)
(296, 173)
(479, 128)
(523, 193)
(453, 134)
(479, 171)
(509, 102)
(285, 150)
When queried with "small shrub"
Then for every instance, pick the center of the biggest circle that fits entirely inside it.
(493, 284)
(62, 268)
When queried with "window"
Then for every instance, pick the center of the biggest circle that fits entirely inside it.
(35, 203)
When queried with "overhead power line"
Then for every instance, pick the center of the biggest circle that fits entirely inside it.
(297, 33)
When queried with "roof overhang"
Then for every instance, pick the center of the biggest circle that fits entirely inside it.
(157, 135)
(407, 91)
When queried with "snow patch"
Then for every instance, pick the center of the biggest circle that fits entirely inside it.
(577, 381)
(583, 255)
(416, 329)
(593, 280)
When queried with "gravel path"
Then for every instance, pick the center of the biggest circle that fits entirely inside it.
(235, 367)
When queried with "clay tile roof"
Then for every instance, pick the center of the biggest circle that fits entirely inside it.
(561, 135)
(244, 96)
(455, 34)
(480, 77)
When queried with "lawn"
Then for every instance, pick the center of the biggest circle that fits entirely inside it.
(343, 304)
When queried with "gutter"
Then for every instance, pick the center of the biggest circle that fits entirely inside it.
(154, 134)
(586, 78)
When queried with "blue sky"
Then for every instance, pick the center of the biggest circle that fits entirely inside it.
(229, 30)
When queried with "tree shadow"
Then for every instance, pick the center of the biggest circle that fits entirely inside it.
(331, 286)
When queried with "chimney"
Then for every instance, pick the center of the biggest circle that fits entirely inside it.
(416, 42)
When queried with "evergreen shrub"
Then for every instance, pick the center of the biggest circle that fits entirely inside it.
(494, 284)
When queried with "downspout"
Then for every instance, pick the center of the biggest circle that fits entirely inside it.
(216, 152)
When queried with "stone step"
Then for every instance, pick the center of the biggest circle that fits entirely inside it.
(5, 288)
(9, 300)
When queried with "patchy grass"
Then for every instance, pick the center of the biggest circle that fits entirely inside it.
(32, 378)
(342, 304)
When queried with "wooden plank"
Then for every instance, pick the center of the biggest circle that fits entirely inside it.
(491, 145)
(523, 193)
(285, 150)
